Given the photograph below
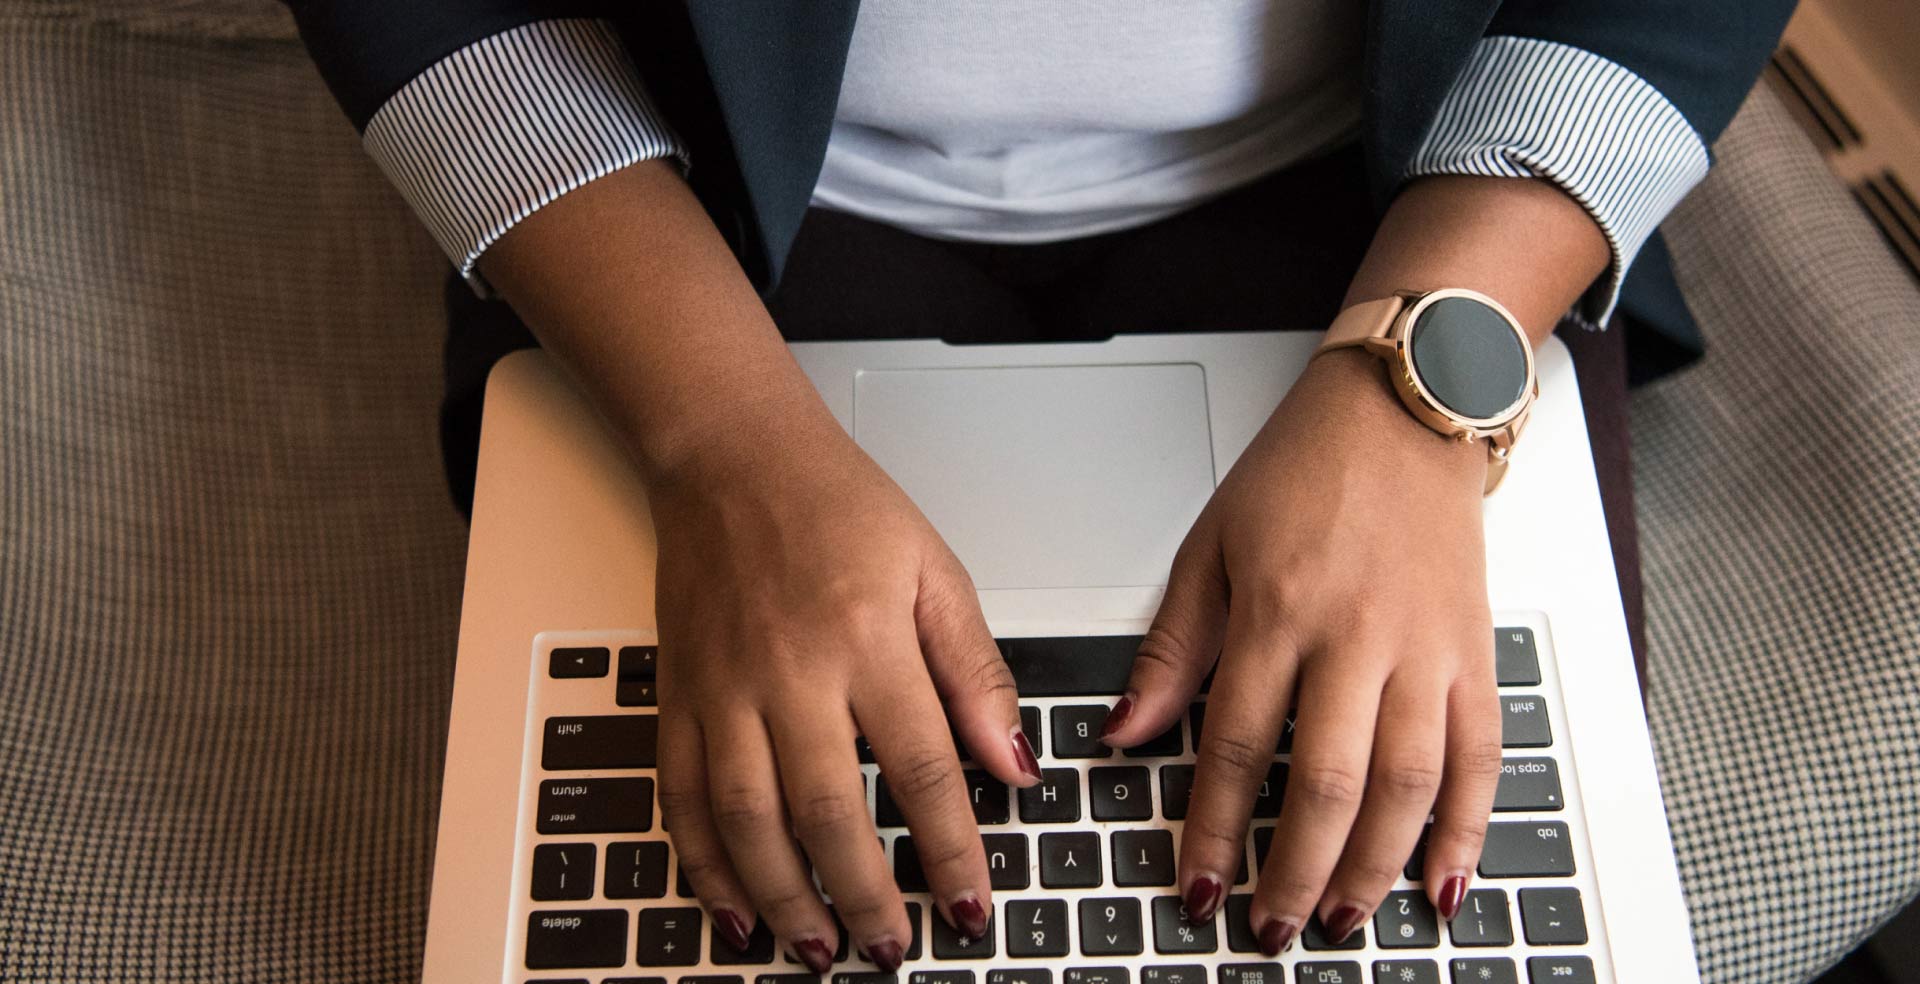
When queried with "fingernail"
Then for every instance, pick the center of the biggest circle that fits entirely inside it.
(816, 955)
(732, 927)
(1275, 936)
(969, 917)
(1117, 718)
(885, 955)
(1453, 891)
(1023, 754)
(1203, 896)
(1345, 920)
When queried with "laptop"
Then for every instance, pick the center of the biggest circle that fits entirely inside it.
(1064, 476)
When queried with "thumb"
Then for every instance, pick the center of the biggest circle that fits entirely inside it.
(1181, 646)
(970, 675)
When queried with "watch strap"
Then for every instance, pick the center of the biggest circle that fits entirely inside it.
(1362, 322)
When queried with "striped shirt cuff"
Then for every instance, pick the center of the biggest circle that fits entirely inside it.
(1524, 108)
(509, 123)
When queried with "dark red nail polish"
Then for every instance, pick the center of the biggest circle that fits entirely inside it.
(969, 917)
(816, 955)
(732, 928)
(1345, 920)
(1203, 896)
(1452, 892)
(1117, 718)
(885, 955)
(1275, 936)
(1023, 754)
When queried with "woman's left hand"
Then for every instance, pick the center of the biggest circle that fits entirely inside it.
(1340, 568)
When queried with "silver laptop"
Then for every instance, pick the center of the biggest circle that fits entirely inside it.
(1083, 466)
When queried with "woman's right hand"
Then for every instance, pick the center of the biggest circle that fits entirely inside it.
(804, 600)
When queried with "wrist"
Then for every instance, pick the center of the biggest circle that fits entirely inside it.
(1372, 417)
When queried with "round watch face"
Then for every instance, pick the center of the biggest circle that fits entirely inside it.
(1468, 357)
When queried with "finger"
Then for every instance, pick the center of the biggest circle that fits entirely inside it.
(1409, 750)
(922, 772)
(1332, 744)
(1234, 753)
(1467, 787)
(685, 814)
(1180, 646)
(970, 675)
(827, 801)
(745, 799)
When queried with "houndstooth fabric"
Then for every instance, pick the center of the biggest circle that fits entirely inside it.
(1779, 509)
(229, 576)
(229, 572)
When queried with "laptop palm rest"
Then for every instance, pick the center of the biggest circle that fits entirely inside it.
(1047, 476)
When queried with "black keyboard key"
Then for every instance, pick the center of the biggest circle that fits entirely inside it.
(1055, 800)
(759, 979)
(932, 977)
(681, 886)
(1315, 937)
(948, 944)
(1166, 744)
(1516, 663)
(1406, 920)
(1175, 974)
(1096, 975)
(1262, 845)
(1483, 920)
(1176, 789)
(1173, 933)
(1025, 975)
(1030, 726)
(1007, 866)
(1252, 973)
(608, 741)
(1036, 927)
(860, 977)
(1484, 970)
(1142, 858)
(1553, 916)
(1076, 731)
(1070, 860)
(577, 938)
(1416, 869)
(863, 750)
(669, 937)
(636, 693)
(886, 813)
(759, 949)
(1120, 792)
(1240, 938)
(1071, 666)
(576, 662)
(1272, 793)
(1530, 784)
(989, 798)
(639, 662)
(1110, 927)
(1560, 970)
(1327, 972)
(1406, 972)
(562, 872)
(913, 916)
(636, 870)
(1527, 850)
(1523, 721)
(595, 806)
(907, 872)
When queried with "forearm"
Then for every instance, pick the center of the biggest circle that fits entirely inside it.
(626, 281)
(1521, 241)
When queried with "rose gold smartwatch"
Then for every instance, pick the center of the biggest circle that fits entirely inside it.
(1460, 362)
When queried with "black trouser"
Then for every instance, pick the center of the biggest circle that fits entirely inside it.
(1275, 255)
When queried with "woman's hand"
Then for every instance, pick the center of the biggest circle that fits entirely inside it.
(802, 601)
(1339, 568)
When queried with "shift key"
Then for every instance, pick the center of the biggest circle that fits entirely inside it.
(1525, 850)
(595, 806)
(607, 741)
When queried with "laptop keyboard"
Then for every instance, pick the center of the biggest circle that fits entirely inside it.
(1083, 865)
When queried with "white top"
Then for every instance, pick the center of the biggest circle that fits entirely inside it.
(1014, 121)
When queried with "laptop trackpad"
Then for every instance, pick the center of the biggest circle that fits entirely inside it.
(1047, 477)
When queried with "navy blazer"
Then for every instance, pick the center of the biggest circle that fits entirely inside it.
(751, 87)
